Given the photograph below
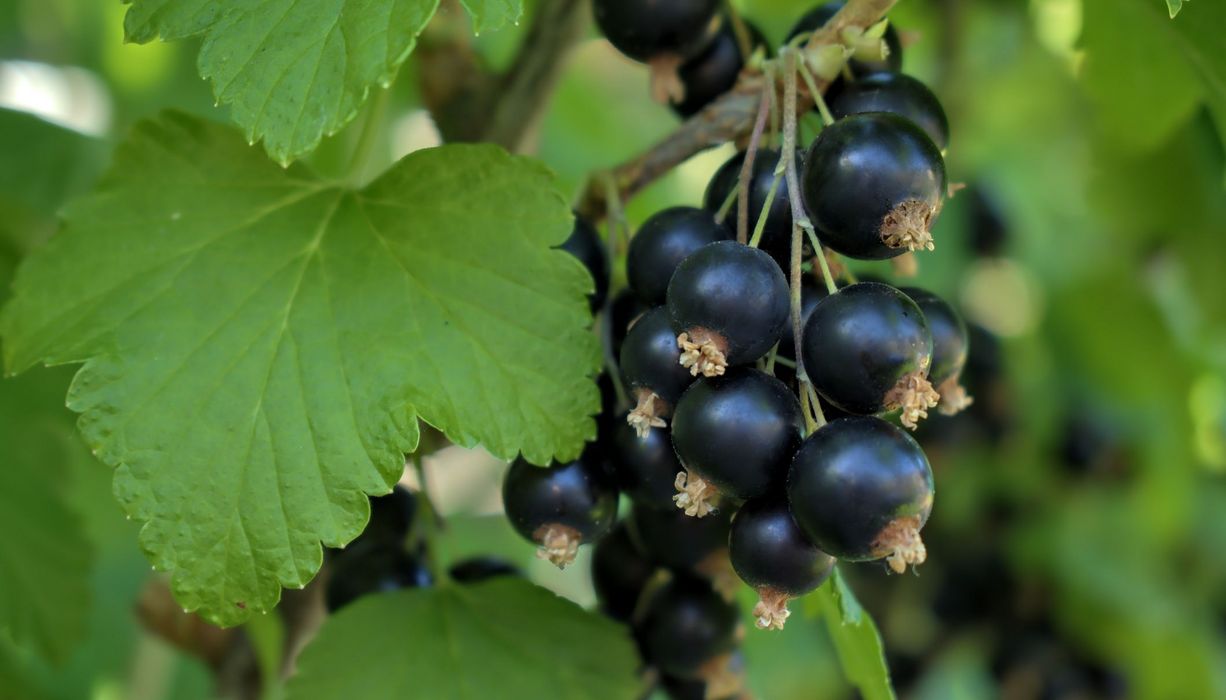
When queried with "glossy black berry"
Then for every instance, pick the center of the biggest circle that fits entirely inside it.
(619, 573)
(861, 489)
(623, 310)
(986, 225)
(645, 465)
(873, 184)
(729, 304)
(561, 506)
(672, 539)
(391, 518)
(771, 554)
(662, 242)
(651, 370)
(647, 29)
(362, 571)
(585, 244)
(686, 625)
(950, 342)
(478, 569)
(868, 349)
(817, 18)
(898, 94)
(777, 234)
(714, 71)
(737, 433)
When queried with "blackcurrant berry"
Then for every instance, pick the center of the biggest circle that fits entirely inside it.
(771, 554)
(670, 538)
(647, 29)
(868, 349)
(873, 184)
(736, 435)
(391, 518)
(861, 489)
(561, 506)
(729, 304)
(362, 571)
(624, 309)
(652, 371)
(478, 569)
(817, 18)
(715, 70)
(950, 346)
(686, 625)
(620, 572)
(723, 679)
(898, 94)
(585, 244)
(662, 242)
(777, 234)
(986, 226)
(644, 464)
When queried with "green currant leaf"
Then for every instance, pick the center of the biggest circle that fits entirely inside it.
(502, 639)
(1174, 6)
(855, 638)
(493, 14)
(259, 344)
(46, 559)
(292, 71)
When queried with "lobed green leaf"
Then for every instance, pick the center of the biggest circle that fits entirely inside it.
(855, 637)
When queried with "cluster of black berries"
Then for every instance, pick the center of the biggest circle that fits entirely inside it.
(722, 460)
(389, 555)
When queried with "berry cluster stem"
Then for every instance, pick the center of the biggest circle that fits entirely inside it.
(751, 154)
(431, 520)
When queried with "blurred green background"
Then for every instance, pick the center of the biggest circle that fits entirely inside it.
(1078, 548)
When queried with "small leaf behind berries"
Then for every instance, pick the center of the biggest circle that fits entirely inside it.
(1174, 6)
(855, 637)
(259, 344)
(493, 14)
(504, 638)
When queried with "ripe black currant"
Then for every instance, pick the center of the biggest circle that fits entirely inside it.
(986, 226)
(652, 371)
(647, 29)
(391, 520)
(950, 346)
(817, 18)
(714, 71)
(874, 183)
(361, 571)
(898, 94)
(777, 234)
(868, 349)
(662, 242)
(729, 304)
(644, 464)
(624, 309)
(686, 624)
(478, 569)
(723, 679)
(585, 244)
(771, 554)
(670, 538)
(735, 435)
(560, 506)
(861, 489)
(619, 573)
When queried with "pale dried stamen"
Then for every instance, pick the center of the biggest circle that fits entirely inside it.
(901, 545)
(559, 544)
(694, 495)
(914, 395)
(701, 354)
(771, 612)
(647, 414)
(907, 226)
(954, 398)
(905, 265)
(666, 84)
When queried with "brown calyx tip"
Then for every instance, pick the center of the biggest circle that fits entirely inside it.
(914, 395)
(834, 261)
(559, 544)
(702, 352)
(771, 612)
(648, 413)
(722, 678)
(901, 545)
(717, 568)
(694, 495)
(905, 265)
(954, 398)
(666, 84)
(907, 226)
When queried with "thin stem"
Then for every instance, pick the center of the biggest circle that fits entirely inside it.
(819, 415)
(780, 360)
(743, 40)
(771, 358)
(816, 93)
(619, 228)
(820, 254)
(751, 154)
(428, 516)
(733, 195)
(760, 227)
(769, 72)
(806, 409)
(368, 137)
